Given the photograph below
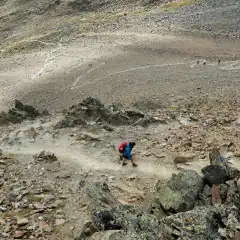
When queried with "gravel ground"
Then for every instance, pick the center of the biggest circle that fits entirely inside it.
(219, 19)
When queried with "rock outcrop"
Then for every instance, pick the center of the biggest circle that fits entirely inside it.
(92, 110)
(181, 209)
(201, 223)
(19, 113)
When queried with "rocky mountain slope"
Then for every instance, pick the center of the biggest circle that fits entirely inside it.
(90, 74)
(61, 179)
(25, 24)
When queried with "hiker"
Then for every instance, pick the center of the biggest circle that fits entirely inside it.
(125, 150)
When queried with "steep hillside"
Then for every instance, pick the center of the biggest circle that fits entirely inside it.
(23, 23)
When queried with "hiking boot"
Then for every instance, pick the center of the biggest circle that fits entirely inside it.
(124, 163)
(134, 165)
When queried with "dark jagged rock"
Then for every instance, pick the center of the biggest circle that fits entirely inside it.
(134, 113)
(129, 219)
(215, 174)
(46, 156)
(45, 112)
(104, 220)
(92, 109)
(18, 105)
(31, 111)
(18, 114)
(181, 192)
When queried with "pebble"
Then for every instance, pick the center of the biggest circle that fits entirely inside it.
(49, 198)
(19, 234)
(38, 205)
(59, 222)
(58, 203)
(22, 221)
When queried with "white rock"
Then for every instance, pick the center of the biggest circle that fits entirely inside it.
(59, 222)
(111, 178)
(22, 221)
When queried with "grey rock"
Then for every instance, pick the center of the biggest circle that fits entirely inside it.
(49, 198)
(45, 112)
(88, 136)
(108, 127)
(57, 204)
(65, 123)
(128, 219)
(22, 221)
(180, 192)
(213, 155)
(223, 191)
(206, 191)
(200, 223)
(233, 172)
(99, 196)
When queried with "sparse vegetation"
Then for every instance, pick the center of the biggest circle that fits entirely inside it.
(178, 4)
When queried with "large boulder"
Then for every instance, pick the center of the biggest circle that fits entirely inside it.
(128, 219)
(181, 192)
(215, 174)
(201, 223)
